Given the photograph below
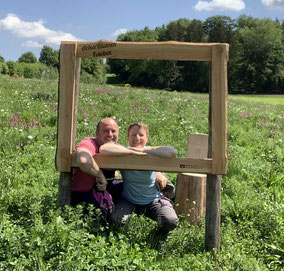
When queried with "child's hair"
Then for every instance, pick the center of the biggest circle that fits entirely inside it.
(140, 125)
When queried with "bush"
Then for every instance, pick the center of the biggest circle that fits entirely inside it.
(11, 67)
(50, 73)
(4, 68)
(26, 70)
(91, 78)
(95, 68)
(27, 57)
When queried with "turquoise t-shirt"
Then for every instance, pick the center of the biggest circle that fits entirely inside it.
(139, 186)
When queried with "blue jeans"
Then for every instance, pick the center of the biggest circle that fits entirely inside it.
(160, 210)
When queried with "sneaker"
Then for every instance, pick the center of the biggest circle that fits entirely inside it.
(169, 191)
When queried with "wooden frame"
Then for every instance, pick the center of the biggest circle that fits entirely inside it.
(214, 166)
(216, 53)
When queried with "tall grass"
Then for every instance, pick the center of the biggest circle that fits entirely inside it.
(36, 235)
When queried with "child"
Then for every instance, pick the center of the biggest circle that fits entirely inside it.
(140, 194)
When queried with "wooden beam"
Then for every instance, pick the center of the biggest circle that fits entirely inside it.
(151, 163)
(64, 189)
(68, 83)
(169, 50)
(213, 212)
(219, 108)
(76, 94)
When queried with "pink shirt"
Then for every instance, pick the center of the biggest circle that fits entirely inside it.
(81, 181)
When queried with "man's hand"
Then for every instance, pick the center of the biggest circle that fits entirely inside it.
(101, 183)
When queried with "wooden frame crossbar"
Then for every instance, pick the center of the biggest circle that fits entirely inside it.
(216, 53)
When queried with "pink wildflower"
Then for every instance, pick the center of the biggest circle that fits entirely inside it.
(262, 122)
(103, 91)
(134, 104)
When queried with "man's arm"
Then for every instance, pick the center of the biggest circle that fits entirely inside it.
(88, 165)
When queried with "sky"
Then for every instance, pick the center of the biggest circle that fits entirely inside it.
(29, 25)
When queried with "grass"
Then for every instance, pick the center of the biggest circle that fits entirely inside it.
(36, 235)
(272, 99)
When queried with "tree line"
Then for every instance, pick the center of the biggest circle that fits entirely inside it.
(256, 57)
(47, 66)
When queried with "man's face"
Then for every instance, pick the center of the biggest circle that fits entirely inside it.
(107, 132)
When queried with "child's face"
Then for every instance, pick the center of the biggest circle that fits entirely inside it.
(137, 137)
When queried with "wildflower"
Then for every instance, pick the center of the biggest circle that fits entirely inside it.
(134, 104)
(103, 91)
(30, 137)
(174, 108)
(262, 122)
(243, 114)
(22, 144)
(19, 153)
(127, 85)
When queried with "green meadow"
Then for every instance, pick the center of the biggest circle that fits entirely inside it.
(36, 235)
(272, 99)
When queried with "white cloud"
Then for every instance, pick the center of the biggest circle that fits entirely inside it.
(32, 44)
(273, 3)
(119, 31)
(34, 30)
(218, 5)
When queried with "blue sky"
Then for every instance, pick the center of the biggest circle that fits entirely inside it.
(30, 24)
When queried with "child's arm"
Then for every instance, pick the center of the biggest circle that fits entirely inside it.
(116, 149)
(161, 180)
(161, 151)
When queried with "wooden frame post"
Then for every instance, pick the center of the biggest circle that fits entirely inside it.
(67, 118)
(217, 144)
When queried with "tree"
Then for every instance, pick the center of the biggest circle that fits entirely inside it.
(2, 59)
(27, 57)
(49, 57)
(195, 32)
(134, 72)
(177, 30)
(260, 55)
(219, 29)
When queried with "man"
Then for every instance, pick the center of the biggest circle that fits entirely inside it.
(89, 176)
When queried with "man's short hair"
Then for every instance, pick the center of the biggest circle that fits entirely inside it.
(99, 123)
